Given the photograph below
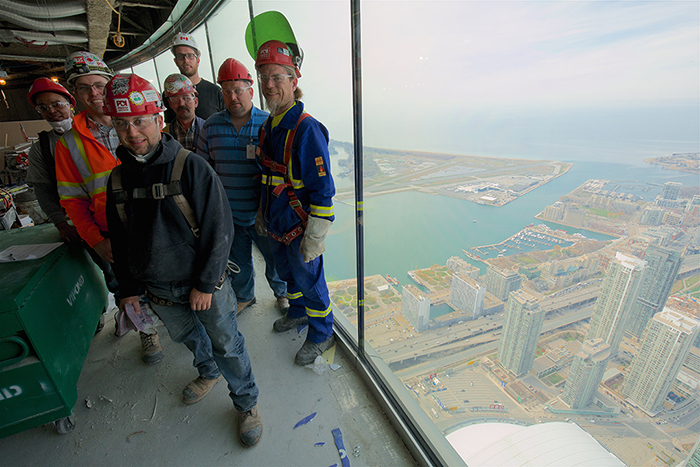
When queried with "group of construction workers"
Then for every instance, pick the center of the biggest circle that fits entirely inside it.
(169, 205)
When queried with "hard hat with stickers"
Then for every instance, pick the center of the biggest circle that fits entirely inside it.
(129, 95)
(83, 64)
(178, 84)
(273, 26)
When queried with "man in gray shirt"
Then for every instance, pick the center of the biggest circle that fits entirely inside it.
(55, 104)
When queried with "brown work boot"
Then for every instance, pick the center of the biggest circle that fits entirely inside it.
(250, 429)
(150, 348)
(243, 305)
(283, 303)
(198, 388)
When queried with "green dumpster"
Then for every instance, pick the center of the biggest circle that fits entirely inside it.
(49, 310)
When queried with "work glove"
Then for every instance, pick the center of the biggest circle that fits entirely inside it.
(312, 243)
(260, 224)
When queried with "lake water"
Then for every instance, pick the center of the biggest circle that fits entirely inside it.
(405, 231)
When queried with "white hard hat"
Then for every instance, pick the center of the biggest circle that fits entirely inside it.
(85, 63)
(187, 40)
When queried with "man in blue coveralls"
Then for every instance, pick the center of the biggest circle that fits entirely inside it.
(297, 199)
(228, 139)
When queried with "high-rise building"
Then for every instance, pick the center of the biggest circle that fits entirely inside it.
(501, 282)
(415, 307)
(657, 280)
(617, 295)
(652, 215)
(554, 212)
(521, 331)
(464, 268)
(587, 370)
(671, 190)
(665, 345)
(468, 295)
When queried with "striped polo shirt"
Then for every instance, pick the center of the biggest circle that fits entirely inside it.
(239, 170)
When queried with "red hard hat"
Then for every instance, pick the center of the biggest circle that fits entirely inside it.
(178, 84)
(232, 70)
(130, 95)
(277, 53)
(46, 85)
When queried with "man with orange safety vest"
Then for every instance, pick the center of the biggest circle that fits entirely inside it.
(297, 198)
(55, 104)
(172, 231)
(186, 52)
(85, 156)
(229, 139)
(181, 94)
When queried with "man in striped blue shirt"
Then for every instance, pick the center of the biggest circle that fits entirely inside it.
(228, 139)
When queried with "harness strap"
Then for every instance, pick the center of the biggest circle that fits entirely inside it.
(179, 198)
(283, 169)
(289, 236)
(156, 191)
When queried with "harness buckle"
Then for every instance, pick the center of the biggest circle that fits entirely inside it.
(157, 191)
(295, 203)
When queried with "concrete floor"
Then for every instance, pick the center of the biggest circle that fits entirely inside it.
(131, 414)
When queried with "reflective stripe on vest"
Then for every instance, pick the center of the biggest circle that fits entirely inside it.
(93, 183)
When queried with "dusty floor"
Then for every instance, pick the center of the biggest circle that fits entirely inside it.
(131, 414)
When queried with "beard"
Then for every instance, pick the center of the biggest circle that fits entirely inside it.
(272, 106)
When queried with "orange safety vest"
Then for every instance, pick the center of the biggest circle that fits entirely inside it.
(83, 166)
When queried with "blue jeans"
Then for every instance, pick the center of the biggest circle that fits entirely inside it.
(211, 335)
(306, 289)
(242, 254)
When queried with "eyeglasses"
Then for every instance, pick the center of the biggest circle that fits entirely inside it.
(185, 99)
(83, 88)
(41, 108)
(140, 123)
(181, 57)
(236, 91)
(277, 79)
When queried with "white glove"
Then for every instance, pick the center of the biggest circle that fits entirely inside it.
(260, 224)
(312, 243)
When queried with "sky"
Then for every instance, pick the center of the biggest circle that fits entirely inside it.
(470, 76)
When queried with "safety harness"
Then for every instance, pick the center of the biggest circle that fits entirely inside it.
(156, 191)
(283, 170)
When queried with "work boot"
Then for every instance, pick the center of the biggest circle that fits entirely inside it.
(250, 429)
(283, 303)
(150, 347)
(243, 305)
(310, 350)
(198, 388)
(285, 323)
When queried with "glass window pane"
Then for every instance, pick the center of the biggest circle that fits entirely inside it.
(482, 127)
(147, 71)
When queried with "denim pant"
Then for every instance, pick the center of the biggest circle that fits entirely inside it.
(242, 254)
(306, 289)
(211, 335)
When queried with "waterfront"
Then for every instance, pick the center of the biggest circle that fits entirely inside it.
(410, 230)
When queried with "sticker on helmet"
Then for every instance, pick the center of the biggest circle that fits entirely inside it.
(264, 54)
(136, 97)
(122, 105)
(120, 85)
(283, 51)
(150, 95)
(79, 60)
